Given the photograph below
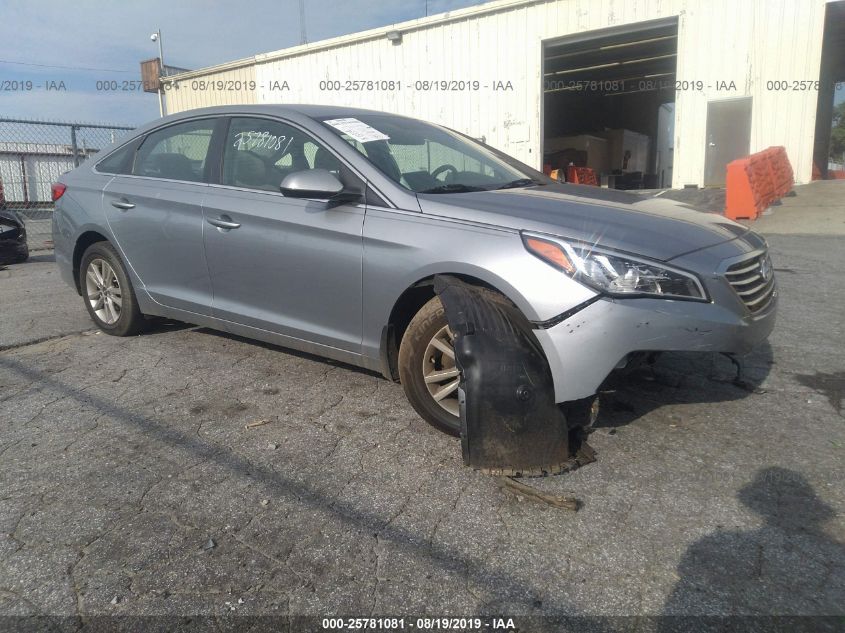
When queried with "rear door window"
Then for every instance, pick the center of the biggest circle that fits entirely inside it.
(177, 152)
(260, 153)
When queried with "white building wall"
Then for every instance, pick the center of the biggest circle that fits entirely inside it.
(223, 86)
(750, 44)
(28, 177)
(746, 42)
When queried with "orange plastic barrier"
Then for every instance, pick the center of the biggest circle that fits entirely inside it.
(753, 183)
(744, 196)
(781, 170)
(581, 176)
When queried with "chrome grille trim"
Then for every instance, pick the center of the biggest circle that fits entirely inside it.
(755, 290)
(751, 291)
(752, 266)
(746, 280)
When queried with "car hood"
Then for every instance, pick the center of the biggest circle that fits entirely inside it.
(653, 227)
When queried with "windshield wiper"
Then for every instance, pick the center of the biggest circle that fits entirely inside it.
(520, 182)
(453, 188)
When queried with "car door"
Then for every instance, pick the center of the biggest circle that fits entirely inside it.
(155, 214)
(288, 266)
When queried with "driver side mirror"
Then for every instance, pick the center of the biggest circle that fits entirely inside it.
(319, 184)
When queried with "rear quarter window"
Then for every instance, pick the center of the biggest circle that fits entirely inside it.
(119, 161)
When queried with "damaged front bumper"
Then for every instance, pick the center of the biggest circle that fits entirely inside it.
(515, 373)
(585, 347)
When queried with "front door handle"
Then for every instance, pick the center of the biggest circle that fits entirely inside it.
(223, 223)
(122, 205)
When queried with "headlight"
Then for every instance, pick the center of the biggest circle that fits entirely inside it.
(615, 273)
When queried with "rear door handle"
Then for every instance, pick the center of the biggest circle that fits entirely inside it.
(122, 204)
(223, 223)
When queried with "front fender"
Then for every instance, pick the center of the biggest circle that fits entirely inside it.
(402, 248)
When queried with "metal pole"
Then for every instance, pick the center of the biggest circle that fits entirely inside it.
(303, 36)
(160, 49)
(161, 108)
(160, 99)
(23, 180)
(73, 147)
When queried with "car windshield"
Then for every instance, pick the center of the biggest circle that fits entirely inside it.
(426, 158)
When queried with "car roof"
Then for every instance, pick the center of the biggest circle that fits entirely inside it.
(310, 110)
(299, 112)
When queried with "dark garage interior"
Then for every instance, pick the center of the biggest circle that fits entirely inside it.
(608, 104)
(831, 76)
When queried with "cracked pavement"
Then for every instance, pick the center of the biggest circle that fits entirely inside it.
(129, 484)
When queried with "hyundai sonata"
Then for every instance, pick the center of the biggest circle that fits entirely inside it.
(321, 229)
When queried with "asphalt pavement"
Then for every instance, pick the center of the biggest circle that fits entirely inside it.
(186, 472)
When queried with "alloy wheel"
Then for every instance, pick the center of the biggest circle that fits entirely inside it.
(440, 373)
(103, 291)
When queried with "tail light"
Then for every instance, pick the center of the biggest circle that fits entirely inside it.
(57, 190)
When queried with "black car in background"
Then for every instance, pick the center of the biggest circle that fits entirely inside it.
(13, 248)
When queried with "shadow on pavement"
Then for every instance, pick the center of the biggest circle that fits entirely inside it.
(680, 378)
(676, 377)
(416, 544)
(831, 386)
(40, 256)
(287, 350)
(160, 325)
(767, 572)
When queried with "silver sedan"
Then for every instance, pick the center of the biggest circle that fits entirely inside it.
(322, 228)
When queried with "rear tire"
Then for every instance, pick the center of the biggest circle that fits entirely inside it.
(108, 293)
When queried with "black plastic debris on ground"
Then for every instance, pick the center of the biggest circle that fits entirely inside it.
(510, 422)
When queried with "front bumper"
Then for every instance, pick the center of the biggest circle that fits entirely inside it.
(584, 348)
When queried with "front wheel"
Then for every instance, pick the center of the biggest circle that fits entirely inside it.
(109, 297)
(427, 368)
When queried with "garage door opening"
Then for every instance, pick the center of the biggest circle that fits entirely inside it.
(829, 146)
(609, 104)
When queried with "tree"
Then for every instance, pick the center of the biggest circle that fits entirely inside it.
(837, 134)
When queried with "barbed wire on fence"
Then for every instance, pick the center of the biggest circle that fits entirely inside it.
(34, 154)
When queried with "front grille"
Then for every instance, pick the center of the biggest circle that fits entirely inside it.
(753, 280)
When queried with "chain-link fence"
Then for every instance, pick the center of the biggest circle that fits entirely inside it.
(33, 155)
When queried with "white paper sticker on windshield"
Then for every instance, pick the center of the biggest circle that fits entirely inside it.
(358, 130)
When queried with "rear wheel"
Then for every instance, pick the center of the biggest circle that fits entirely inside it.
(108, 293)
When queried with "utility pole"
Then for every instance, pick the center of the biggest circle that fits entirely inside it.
(156, 37)
(303, 37)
